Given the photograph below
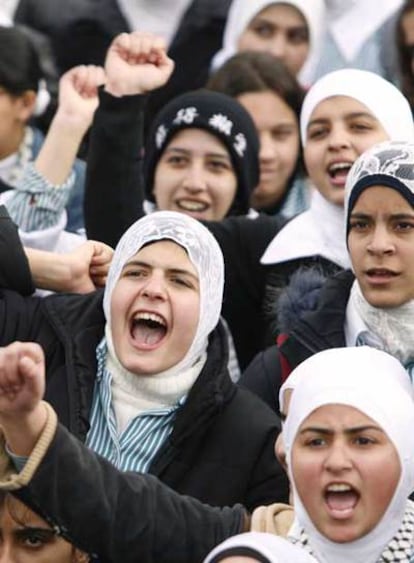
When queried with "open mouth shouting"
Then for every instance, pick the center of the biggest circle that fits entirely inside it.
(148, 330)
(338, 172)
(341, 500)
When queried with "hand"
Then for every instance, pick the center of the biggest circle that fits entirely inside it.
(137, 63)
(89, 265)
(22, 380)
(78, 94)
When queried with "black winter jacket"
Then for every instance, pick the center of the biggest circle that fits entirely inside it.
(221, 447)
(123, 517)
(312, 320)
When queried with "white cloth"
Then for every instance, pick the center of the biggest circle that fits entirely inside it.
(203, 251)
(274, 548)
(376, 384)
(394, 326)
(319, 231)
(133, 395)
(352, 23)
(381, 98)
(161, 17)
(242, 12)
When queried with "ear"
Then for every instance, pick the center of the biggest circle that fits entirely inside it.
(25, 104)
(80, 557)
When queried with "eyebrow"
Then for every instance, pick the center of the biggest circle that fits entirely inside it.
(352, 430)
(180, 150)
(348, 116)
(179, 271)
(46, 533)
(395, 216)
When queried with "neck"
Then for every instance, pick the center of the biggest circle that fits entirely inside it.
(12, 143)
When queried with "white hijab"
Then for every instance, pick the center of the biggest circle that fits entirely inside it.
(376, 384)
(352, 22)
(242, 12)
(320, 229)
(270, 547)
(203, 251)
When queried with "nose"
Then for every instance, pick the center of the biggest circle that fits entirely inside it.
(6, 553)
(267, 148)
(195, 179)
(380, 241)
(338, 138)
(337, 458)
(154, 287)
(278, 46)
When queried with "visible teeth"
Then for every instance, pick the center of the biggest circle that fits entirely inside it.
(191, 205)
(340, 166)
(338, 488)
(150, 317)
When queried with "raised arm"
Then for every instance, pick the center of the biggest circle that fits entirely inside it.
(40, 198)
(121, 517)
(136, 63)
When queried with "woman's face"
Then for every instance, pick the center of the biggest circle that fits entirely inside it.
(155, 308)
(381, 246)
(345, 470)
(278, 130)
(279, 29)
(195, 176)
(14, 112)
(339, 130)
(25, 536)
(407, 26)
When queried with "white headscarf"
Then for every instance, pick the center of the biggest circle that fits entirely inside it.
(381, 98)
(242, 12)
(320, 230)
(351, 23)
(376, 384)
(271, 548)
(203, 251)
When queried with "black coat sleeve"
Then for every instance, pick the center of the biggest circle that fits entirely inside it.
(123, 517)
(14, 267)
(114, 190)
(263, 377)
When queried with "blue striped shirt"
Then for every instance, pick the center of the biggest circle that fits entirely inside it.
(136, 447)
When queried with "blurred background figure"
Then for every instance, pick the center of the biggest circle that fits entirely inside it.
(290, 30)
(273, 97)
(358, 34)
(405, 47)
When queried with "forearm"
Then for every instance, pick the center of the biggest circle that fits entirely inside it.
(114, 192)
(50, 270)
(58, 153)
(124, 517)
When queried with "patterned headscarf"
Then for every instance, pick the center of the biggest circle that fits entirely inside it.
(389, 164)
(262, 547)
(203, 251)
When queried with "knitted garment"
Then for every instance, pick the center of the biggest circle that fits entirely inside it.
(399, 550)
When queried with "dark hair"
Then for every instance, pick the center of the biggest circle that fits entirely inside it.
(19, 62)
(405, 55)
(253, 71)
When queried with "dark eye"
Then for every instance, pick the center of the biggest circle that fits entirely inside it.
(176, 160)
(36, 539)
(263, 29)
(218, 165)
(364, 441)
(315, 442)
(316, 133)
(298, 35)
(358, 225)
(404, 226)
(134, 273)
